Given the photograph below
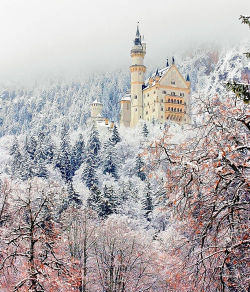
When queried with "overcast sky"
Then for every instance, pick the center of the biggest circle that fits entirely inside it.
(66, 37)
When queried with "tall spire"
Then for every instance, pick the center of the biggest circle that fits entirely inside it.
(137, 40)
(137, 31)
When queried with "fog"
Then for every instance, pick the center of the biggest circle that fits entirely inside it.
(70, 37)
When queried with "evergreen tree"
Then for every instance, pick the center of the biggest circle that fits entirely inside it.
(94, 144)
(77, 156)
(109, 162)
(108, 203)
(63, 162)
(145, 131)
(89, 173)
(17, 159)
(115, 138)
(92, 159)
(30, 147)
(148, 202)
(139, 168)
(94, 199)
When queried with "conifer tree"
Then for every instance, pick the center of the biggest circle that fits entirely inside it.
(89, 173)
(145, 131)
(63, 158)
(139, 168)
(92, 159)
(77, 156)
(148, 202)
(94, 199)
(109, 162)
(17, 161)
(115, 138)
(108, 203)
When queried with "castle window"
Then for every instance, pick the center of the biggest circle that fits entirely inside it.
(180, 110)
(180, 101)
(169, 108)
(181, 94)
(135, 96)
(146, 112)
(172, 109)
(154, 92)
(172, 82)
(148, 94)
(164, 92)
(177, 110)
(184, 103)
(172, 100)
(162, 109)
(169, 100)
(173, 93)
(136, 109)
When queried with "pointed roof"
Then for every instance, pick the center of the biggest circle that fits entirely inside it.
(137, 31)
(137, 40)
(157, 73)
(188, 78)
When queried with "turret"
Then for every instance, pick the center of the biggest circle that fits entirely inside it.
(137, 70)
(96, 110)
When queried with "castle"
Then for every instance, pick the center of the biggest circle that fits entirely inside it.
(163, 96)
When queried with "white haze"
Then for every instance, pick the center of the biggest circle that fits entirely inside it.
(70, 37)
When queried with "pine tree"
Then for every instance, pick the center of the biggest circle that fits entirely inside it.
(94, 199)
(17, 160)
(94, 144)
(77, 156)
(109, 162)
(63, 158)
(145, 131)
(92, 159)
(139, 168)
(148, 202)
(108, 203)
(115, 138)
(89, 173)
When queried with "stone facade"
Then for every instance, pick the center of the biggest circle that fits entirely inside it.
(164, 96)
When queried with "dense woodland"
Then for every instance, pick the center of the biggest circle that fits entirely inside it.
(161, 207)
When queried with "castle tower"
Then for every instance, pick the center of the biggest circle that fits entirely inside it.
(137, 70)
(125, 104)
(96, 110)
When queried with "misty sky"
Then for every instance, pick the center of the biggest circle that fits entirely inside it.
(68, 37)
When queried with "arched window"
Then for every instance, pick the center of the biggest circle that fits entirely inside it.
(135, 96)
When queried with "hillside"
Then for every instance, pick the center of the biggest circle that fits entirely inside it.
(46, 106)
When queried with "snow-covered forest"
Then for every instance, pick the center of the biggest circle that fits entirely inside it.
(160, 207)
